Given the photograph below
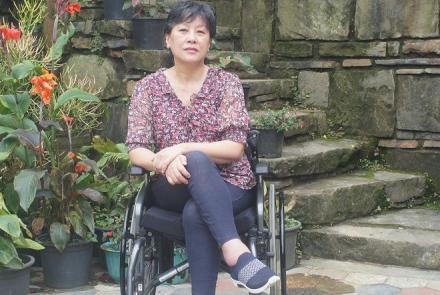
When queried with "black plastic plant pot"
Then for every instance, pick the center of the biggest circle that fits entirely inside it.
(148, 33)
(67, 269)
(16, 281)
(291, 234)
(113, 10)
(270, 143)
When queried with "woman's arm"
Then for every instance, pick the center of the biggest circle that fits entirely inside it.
(220, 152)
(142, 157)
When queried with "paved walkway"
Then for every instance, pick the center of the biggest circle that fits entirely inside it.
(312, 277)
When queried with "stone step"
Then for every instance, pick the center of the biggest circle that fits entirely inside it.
(315, 157)
(335, 199)
(408, 237)
(313, 122)
(248, 65)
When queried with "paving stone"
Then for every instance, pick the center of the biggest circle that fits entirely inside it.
(433, 284)
(402, 282)
(377, 289)
(361, 278)
(419, 291)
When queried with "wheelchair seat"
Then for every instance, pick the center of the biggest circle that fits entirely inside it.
(169, 223)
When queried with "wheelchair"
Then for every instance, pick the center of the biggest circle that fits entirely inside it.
(150, 233)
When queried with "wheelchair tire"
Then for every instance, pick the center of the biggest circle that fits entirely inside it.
(126, 240)
(146, 268)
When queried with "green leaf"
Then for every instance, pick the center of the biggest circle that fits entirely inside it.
(74, 93)
(59, 235)
(11, 121)
(26, 155)
(87, 215)
(27, 137)
(56, 51)
(10, 224)
(92, 194)
(11, 198)
(22, 70)
(22, 242)
(50, 123)
(76, 222)
(26, 184)
(7, 145)
(4, 130)
(104, 145)
(8, 254)
(122, 148)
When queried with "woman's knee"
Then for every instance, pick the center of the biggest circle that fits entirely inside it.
(198, 160)
(190, 215)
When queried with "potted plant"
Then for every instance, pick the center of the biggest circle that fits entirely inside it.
(52, 183)
(272, 124)
(292, 227)
(14, 269)
(149, 20)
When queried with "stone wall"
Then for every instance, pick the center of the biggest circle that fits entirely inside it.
(373, 65)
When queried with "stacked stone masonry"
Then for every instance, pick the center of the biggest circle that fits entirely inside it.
(372, 65)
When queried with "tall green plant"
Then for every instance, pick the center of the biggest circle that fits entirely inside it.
(50, 174)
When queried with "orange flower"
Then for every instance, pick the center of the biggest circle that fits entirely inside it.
(43, 86)
(81, 167)
(71, 155)
(72, 8)
(68, 120)
(10, 33)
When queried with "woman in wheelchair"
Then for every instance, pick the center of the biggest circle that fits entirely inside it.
(195, 118)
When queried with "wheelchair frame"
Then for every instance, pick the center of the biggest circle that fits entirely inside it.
(143, 265)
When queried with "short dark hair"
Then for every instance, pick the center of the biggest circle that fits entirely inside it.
(187, 11)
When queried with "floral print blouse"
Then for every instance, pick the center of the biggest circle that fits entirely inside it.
(157, 118)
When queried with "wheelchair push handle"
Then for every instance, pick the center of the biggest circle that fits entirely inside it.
(136, 171)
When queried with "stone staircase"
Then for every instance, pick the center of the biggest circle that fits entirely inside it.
(335, 200)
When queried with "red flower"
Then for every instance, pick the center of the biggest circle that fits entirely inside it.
(43, 86)
(72, 8)
(81, 167)
(71, 155)
(110, 234)
(68, 120)
(10, 33)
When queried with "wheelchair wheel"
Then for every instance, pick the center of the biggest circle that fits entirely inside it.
(145, 266)
(126, 244)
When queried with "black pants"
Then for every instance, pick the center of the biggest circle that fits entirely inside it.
(208, 204)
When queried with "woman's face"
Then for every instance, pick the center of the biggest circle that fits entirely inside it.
(189, 41)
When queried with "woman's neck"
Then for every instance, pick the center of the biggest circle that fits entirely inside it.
(185, 73)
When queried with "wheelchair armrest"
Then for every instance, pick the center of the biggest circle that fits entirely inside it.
(136, 170)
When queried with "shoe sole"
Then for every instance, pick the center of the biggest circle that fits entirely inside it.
(272, 280)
